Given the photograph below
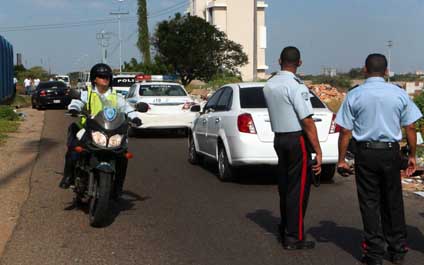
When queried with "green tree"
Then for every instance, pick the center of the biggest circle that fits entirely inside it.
(356, 73)
(143, 43)
(34, 72)
(419, 101)
(195, 49)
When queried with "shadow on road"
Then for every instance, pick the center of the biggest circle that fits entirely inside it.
(266, 220)
(125, 203)
(415, 238)
(45, 144)
(157, 133)
(346, 238)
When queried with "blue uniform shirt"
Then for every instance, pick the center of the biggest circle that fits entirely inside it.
(376, 111)
(288, 101)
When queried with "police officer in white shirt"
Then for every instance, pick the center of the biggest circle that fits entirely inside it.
(290, 112)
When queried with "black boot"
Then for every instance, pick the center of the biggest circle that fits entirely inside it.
(68, 178)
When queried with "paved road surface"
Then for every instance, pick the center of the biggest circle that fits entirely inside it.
(176, 213)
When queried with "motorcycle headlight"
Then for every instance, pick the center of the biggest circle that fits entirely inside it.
(99, 138)
(115, 140)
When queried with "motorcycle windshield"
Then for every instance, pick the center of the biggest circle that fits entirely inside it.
(111, 117)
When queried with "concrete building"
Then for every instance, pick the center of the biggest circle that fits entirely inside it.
(244, 22)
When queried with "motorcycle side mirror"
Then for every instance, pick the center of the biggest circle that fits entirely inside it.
(195, 108)
(142, 107)
(75, 93)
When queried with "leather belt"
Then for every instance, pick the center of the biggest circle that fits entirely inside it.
(377, 145)
(298, 133)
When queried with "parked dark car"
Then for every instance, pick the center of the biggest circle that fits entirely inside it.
(51, 94)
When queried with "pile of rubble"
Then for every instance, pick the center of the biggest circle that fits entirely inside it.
(413, 184)
(326, 92)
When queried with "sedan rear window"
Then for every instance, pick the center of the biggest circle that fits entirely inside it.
(253, 98)
(157, 90)
(52, 85)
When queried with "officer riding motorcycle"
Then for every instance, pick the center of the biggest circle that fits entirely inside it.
(90, 103)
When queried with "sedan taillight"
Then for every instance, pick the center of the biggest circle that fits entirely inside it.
(334, 127)
(43, 93)
(188, 105)
(245, 123)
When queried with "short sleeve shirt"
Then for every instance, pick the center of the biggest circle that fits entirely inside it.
(376, 111)
(288, 101)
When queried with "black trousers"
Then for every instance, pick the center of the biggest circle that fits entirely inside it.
(294, 183)
(380, 199)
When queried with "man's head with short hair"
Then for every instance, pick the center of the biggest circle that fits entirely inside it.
(290, 56)
(376, 65)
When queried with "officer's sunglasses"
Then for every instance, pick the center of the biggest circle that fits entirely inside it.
(103, 77)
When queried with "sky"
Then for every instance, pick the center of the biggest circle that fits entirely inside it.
(329, 33)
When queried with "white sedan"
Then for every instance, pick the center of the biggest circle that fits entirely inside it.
(234, 129)
(169, 105)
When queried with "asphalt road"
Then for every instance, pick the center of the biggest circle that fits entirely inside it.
(176, 213)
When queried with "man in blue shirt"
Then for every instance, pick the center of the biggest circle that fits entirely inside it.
(290, 112)
(374, 113)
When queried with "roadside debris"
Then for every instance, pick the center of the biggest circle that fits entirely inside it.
(22, 115)
(326, 92)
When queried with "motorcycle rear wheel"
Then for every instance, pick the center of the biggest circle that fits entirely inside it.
(99, 203)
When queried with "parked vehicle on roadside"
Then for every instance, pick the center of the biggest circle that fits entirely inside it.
(234, 129)
(49, 94)
(64, 78)
(102, 155)
(121, 83)
(169, 103)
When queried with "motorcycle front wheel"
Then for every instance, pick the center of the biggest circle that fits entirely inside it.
(99, 203)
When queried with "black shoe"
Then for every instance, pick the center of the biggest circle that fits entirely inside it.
(297, 245)
(66, 182)
(397, 259)
(370, 261)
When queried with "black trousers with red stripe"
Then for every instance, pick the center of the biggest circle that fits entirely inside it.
(294, 182)
(380, 199)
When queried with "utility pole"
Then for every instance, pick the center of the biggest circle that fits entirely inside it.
(119, 13)
(389, 46)
(103, 41)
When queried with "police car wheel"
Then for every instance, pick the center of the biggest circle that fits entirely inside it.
(328, 171)
(225, 171)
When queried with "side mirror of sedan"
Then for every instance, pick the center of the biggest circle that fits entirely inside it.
(142, 107)
(75, 93)
(195, 108)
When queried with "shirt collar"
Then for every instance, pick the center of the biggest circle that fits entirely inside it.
(284, 72)
(375, 79)
(104, 94)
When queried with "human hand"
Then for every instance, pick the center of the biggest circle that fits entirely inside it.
(316, 167)
(344, 169)
(412, 166)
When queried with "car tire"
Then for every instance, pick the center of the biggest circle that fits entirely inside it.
(132, 132)
(328, 171)
(194, 157)
(226, 172)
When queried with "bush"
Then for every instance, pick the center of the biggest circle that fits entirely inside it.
(220, 80)
(7, 113)
(419, 101)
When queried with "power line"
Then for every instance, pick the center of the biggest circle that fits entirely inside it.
(93, 22)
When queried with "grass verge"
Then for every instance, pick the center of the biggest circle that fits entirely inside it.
(9, 122)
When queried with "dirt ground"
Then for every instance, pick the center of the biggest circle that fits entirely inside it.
(17, 157)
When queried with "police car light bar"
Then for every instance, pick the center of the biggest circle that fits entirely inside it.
(146, 78)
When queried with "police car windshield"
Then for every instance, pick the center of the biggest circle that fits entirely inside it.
(164, 90)
(253, 98)
(122, 81)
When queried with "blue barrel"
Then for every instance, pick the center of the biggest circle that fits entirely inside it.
(6, 70)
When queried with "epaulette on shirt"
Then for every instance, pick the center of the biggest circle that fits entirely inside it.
(399, 86)
(352, 88)
(298, 80)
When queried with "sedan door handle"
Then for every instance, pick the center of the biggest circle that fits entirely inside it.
(217, 120)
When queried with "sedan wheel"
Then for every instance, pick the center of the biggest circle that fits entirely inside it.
(193, 157)
(225, 170)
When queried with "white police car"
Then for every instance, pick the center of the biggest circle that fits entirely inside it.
(169, 103)
(121, 83)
